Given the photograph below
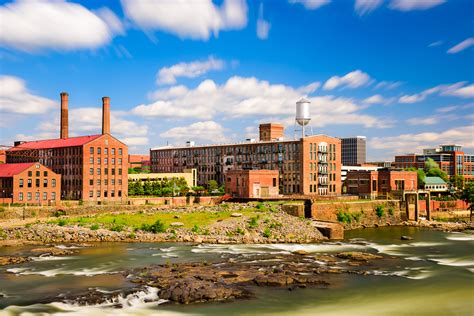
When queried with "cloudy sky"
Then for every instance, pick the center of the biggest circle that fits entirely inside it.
(400, 72)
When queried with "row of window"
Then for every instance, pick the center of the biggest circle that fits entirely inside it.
(106, 171)
(29, 196)
(105, 182)
(106, 160)
(37, 173)
(106, 151)
(21, 183)
(104, 194)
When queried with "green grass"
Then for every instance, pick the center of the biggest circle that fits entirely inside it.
(379, 210)
(347, 217)
(267, 233)
(137, 220)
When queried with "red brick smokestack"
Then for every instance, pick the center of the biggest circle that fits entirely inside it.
(105, 115)
(64, 132)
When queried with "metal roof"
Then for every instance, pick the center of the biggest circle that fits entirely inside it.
(56, 143)
(8, 170)
(434, 180)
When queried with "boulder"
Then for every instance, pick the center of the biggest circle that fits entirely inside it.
(358, 256)
(236, 215)
(406, 238)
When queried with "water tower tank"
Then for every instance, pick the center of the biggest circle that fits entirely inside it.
(302, 111)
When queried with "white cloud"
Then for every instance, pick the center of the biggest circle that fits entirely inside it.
(377, 99)
(36, 25)
(409, 5)
(468, 42)
(251, 97)
(416, 142)
(431, 120)
(15, 98)
(168, 75)
(388, 85)
(187, 19)
(363, 7)
(437, 43)
(457, 89)
(353, 79)
(263, 27)
(462, 92)
(447, 109)
(311, 4)
(200, 131)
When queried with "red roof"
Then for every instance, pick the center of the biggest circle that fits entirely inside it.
(8, 170)
(56, 143)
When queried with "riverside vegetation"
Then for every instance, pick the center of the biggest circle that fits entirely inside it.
(225, 223)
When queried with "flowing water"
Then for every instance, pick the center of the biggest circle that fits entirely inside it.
(433, 275)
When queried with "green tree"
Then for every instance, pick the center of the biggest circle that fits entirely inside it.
(198, 189)
(131, 188)
(139, 188)
(457, 182)
(467, 196)
(147, 188)
(432, 170)
(212, 186)
(421, 176)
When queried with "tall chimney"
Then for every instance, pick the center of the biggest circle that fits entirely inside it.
(105, 115)
(64, 132)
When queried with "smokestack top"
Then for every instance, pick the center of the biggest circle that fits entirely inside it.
(64, 128)
(105, 115)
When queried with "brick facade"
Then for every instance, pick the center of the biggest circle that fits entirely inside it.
(252, 183)
(30, 183)
(310, 166)
(382, 182)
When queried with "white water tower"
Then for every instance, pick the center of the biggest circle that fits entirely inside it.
(302, 114)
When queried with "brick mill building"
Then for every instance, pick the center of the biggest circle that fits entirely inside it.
(374, 183)
(92, 168)
(450, 158)
(252, 183)
(309, 165)
(29, 183)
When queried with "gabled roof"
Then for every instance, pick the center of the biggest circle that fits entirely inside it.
(56, 143)
(434, 180)
(8, 170)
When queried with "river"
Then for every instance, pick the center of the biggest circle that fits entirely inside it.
(434, 275)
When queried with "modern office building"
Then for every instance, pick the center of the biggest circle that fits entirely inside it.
(354, 150)
(309, 165)
(92, 167)
(450, 158)
(29, 183)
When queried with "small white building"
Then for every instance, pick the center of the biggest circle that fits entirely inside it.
(435, 184)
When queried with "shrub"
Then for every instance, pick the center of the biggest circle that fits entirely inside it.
(267, 233)
(379, 210)
(276, 225)
(260, 206)
(239, 231)
(253, 222)
(195, 229)
(59, 213)
(116, 228)
(61, 222)
(94, 227)
(391, 211)
(157, 227)
(3, 235)
(356, 216)
(344, 217)
(132, 236)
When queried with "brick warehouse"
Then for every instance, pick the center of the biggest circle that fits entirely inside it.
(92, 168)
(30, 183)
(309, 165)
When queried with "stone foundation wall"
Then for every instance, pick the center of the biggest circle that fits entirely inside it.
(294, 209)
(357, 214)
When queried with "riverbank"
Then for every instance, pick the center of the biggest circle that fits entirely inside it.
(227, 223)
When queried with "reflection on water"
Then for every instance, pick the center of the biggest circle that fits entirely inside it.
(433, 275)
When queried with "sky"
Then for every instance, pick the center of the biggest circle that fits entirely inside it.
(400, 72)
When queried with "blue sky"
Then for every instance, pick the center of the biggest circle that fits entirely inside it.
(400, 72)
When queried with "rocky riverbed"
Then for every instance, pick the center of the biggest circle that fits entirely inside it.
(236, 277)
